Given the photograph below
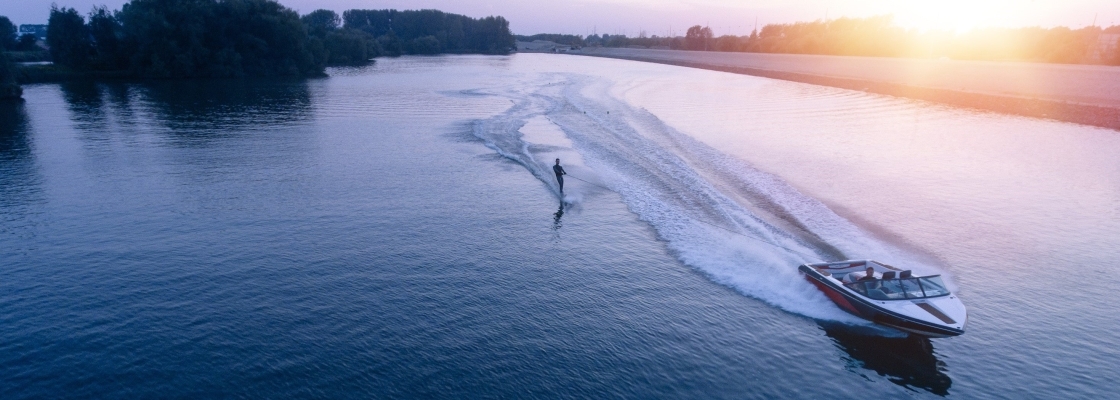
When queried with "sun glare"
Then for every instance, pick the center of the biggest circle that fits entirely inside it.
(956, 15)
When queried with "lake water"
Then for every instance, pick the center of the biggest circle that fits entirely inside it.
(395, 231)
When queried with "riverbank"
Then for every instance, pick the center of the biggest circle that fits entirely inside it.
(51, 73)
(1083, 94)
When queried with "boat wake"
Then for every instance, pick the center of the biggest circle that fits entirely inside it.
(742, 227)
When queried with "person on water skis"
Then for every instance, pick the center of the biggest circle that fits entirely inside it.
(559, 174)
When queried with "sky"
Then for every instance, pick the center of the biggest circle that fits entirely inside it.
(664, 17)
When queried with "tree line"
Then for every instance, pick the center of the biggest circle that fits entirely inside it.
(431, 31)
(11, 42)
(9, 88)
(239, 38)
(569, 40)
(879, 37)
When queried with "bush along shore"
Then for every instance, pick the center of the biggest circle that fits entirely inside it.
(172, 39)
(9, 89)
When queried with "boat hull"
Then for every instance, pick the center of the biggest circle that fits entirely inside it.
(866, 309)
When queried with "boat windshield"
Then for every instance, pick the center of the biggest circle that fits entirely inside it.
(897, 289)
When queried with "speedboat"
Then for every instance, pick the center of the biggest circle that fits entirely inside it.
(890, 296)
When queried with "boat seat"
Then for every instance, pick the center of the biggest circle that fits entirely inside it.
(905, 274)
(888, 275)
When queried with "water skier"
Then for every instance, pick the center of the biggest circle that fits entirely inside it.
(559, 174)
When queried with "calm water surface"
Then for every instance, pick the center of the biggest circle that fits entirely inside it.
(394, 231)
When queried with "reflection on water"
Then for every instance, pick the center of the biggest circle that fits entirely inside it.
(18, 180)
(195, 109)
(215, 106)
(233, 238)
(556, 217)
(84, 100)
(211, 130)
(20, 183)
(89, 109)
(906, 361)
(13, 131)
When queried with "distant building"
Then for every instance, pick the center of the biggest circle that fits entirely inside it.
(40, 31)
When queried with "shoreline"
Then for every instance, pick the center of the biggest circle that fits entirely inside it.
(1102, 114)
(50, 73)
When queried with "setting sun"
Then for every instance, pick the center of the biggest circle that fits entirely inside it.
(951, 15)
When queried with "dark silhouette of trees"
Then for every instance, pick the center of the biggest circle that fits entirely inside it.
(186, 38)
(9, 88)
(235, 38)
(7, 34)
(350, 46)
(423, 45)
(570, 40)
(27, 42)
(1112, 57)
(413, 32)
(106, 33)
(343, 46)
(212, 38)
(878, 36)
(391, 44)
(490, 35)
(698, 38)
(320, 22)
(10, 41)
(623, 41)
(68, 38)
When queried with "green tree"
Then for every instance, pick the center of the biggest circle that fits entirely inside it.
(321, 22)
(424, 45)
(106, 32)
(698, 38)
(27, 42)
(211, 38)
(343, 46)
(7, 33)
(571, 40)
(397, 31)
(491, 35)
(351, 46)
(391, 44)
(68, 37)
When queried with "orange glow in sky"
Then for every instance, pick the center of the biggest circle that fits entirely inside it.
(961, 15)
(737, 16)
(662, 17)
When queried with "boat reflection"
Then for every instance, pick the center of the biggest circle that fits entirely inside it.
(907, 361)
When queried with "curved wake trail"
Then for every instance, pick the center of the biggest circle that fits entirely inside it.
(700, 201)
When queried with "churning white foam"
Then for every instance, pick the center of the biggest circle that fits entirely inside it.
(742, 227)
